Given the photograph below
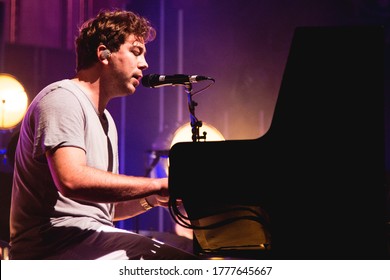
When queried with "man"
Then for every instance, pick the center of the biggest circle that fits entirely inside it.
(66, 190)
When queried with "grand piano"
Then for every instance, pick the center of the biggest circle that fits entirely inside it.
(313, 186)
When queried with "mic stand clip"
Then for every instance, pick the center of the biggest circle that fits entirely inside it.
(195, 123)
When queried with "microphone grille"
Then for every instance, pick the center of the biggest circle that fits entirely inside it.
(149, 80)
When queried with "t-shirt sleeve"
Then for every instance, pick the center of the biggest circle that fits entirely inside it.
(59, 121)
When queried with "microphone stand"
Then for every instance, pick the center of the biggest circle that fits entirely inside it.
(195, 123)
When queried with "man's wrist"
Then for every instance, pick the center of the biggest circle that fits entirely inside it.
(145, 204)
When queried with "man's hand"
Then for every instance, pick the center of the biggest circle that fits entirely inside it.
(158, 200)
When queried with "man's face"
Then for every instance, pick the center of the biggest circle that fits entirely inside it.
(125, 67)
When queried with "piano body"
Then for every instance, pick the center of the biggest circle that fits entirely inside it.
(317, 175)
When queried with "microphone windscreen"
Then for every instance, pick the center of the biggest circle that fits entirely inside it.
(149, 80)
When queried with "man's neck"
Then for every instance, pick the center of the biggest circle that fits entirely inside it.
(90, 84)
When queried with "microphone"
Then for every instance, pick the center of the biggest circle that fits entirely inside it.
(157, 80)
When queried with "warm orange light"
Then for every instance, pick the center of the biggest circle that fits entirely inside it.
(184, 133)
(13, 101)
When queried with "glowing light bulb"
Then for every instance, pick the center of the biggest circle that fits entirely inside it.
(184, 133)
(13, 101)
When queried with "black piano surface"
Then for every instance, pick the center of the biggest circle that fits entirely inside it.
(319, 169)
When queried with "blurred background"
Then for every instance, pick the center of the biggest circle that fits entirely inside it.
(243, 45)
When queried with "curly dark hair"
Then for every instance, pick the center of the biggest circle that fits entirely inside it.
(110, 28)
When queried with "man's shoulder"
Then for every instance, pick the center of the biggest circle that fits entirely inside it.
(61, 91)
(57, 95)
(62, 85)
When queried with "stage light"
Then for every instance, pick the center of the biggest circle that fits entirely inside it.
(13, 101)
(158, 157)
(184, 133)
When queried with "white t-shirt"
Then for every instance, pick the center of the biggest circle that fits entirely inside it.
(43, 220)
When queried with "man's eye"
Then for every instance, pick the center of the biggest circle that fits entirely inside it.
(136, 51)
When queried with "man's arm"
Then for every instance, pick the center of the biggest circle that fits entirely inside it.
(74, 179)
